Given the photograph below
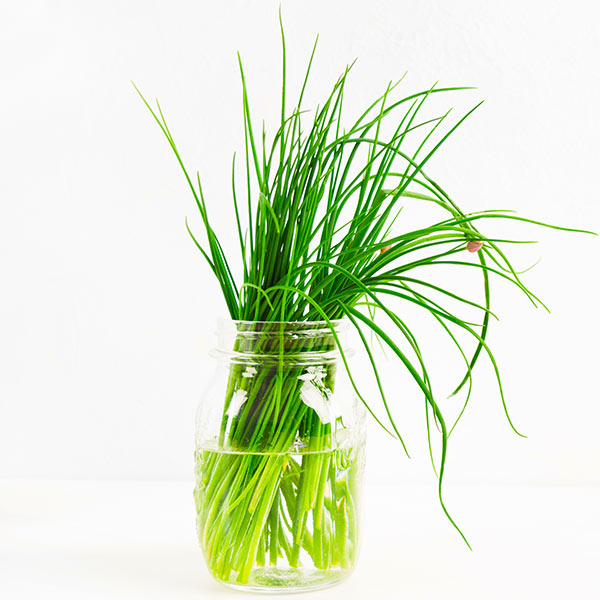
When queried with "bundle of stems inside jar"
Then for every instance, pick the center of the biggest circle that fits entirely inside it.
(320, 240)
(281, 479)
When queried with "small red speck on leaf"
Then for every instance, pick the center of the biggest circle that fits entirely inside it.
(385, 249)
(474, 246)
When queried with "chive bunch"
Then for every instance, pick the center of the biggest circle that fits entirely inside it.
(321, 239)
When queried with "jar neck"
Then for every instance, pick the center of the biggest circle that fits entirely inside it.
(306, 341)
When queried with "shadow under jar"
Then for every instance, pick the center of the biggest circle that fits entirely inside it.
(279, 458)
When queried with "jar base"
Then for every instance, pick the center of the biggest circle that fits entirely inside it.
(277, 580)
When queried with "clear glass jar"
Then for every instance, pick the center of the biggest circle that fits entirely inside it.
(280, 442)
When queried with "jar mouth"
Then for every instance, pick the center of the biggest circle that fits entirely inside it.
(299, 341)
(223, 322)
(334, 321)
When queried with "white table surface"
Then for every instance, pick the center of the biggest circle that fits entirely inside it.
(134, 540)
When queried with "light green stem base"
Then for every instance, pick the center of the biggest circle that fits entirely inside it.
(278, 520)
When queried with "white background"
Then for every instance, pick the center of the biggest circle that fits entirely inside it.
(107, 310)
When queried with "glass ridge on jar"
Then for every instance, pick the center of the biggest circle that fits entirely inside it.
(279, 457)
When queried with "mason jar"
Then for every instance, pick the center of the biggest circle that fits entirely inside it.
(279, 458)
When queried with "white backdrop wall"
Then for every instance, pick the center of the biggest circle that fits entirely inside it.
(107, 310)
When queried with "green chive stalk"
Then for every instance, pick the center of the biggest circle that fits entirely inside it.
(320, 239)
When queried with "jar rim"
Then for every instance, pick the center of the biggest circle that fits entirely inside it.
(252, 322)
(246, 332)
(225, 324)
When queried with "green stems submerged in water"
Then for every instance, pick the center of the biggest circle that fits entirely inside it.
(296, 509)
(279, 487)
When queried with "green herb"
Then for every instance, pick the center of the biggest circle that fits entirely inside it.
(320, 240)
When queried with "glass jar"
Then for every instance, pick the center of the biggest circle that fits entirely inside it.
(279, 455)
